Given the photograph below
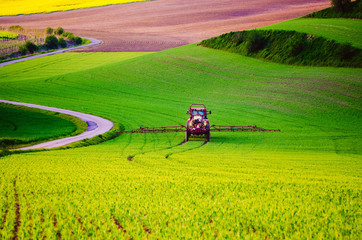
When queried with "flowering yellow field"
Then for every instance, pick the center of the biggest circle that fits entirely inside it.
(16, 7)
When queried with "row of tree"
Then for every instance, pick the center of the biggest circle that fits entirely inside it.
(60, 32)
(51, 41)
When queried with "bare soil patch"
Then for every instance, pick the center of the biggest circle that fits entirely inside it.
(163, 24)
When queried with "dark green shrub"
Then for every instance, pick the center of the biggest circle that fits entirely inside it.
(341, 5)
(345, 51)
(31, 47)
(66, 34)
(255, 42)
(62, 43)
(296, 44)
(70, 37)
(49, 30)
(74, 39)
(78, 40)
(59, 31)
(349, 10)
(238, 38)
(51, 42)
(23, 50)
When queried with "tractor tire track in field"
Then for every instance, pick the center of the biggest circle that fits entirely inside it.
(144, 226)
(55, 224)
(71, 232)
(167, 156)
(147, 229)
(42, 220)
(119, 226)
(81, 224)
(17, 212)
(30, 225)
(127, 145)
(5, 212)
(130, 157)
(181, 143)
(94, 225)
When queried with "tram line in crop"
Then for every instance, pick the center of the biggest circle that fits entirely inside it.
(132, 156)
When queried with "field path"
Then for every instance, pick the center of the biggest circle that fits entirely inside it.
(153, 26)
(96, 126)
(93, 43)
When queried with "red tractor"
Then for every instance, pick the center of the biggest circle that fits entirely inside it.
(198, 124)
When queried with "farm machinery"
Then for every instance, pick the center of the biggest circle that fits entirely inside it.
(198, 126)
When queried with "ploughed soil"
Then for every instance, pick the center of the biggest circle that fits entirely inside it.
(162, 24)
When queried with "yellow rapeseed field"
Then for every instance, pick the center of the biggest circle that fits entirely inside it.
(17, 7)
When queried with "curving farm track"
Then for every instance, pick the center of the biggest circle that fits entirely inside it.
(96, 126)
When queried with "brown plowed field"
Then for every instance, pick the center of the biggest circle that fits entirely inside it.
(161, 24)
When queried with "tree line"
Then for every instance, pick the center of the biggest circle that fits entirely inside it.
(57, 38)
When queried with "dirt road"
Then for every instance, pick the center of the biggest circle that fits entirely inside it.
(96, 126)
(161, 24)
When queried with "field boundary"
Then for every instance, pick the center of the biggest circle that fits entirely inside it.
(93, 43)
(96, 126)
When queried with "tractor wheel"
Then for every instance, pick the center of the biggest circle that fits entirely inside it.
(187, 136)
(208, 136)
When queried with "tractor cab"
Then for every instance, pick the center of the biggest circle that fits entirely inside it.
(198, 110)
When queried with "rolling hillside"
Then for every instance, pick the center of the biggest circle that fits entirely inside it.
(304, 182)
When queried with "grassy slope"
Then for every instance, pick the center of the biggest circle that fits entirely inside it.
(43, 6)
(302, 182)
(340, 30)
(27, 126)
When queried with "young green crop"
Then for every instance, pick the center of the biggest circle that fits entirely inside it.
(304, 182)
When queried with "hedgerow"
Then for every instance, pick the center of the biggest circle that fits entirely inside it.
(288, 47)
(340, 9)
